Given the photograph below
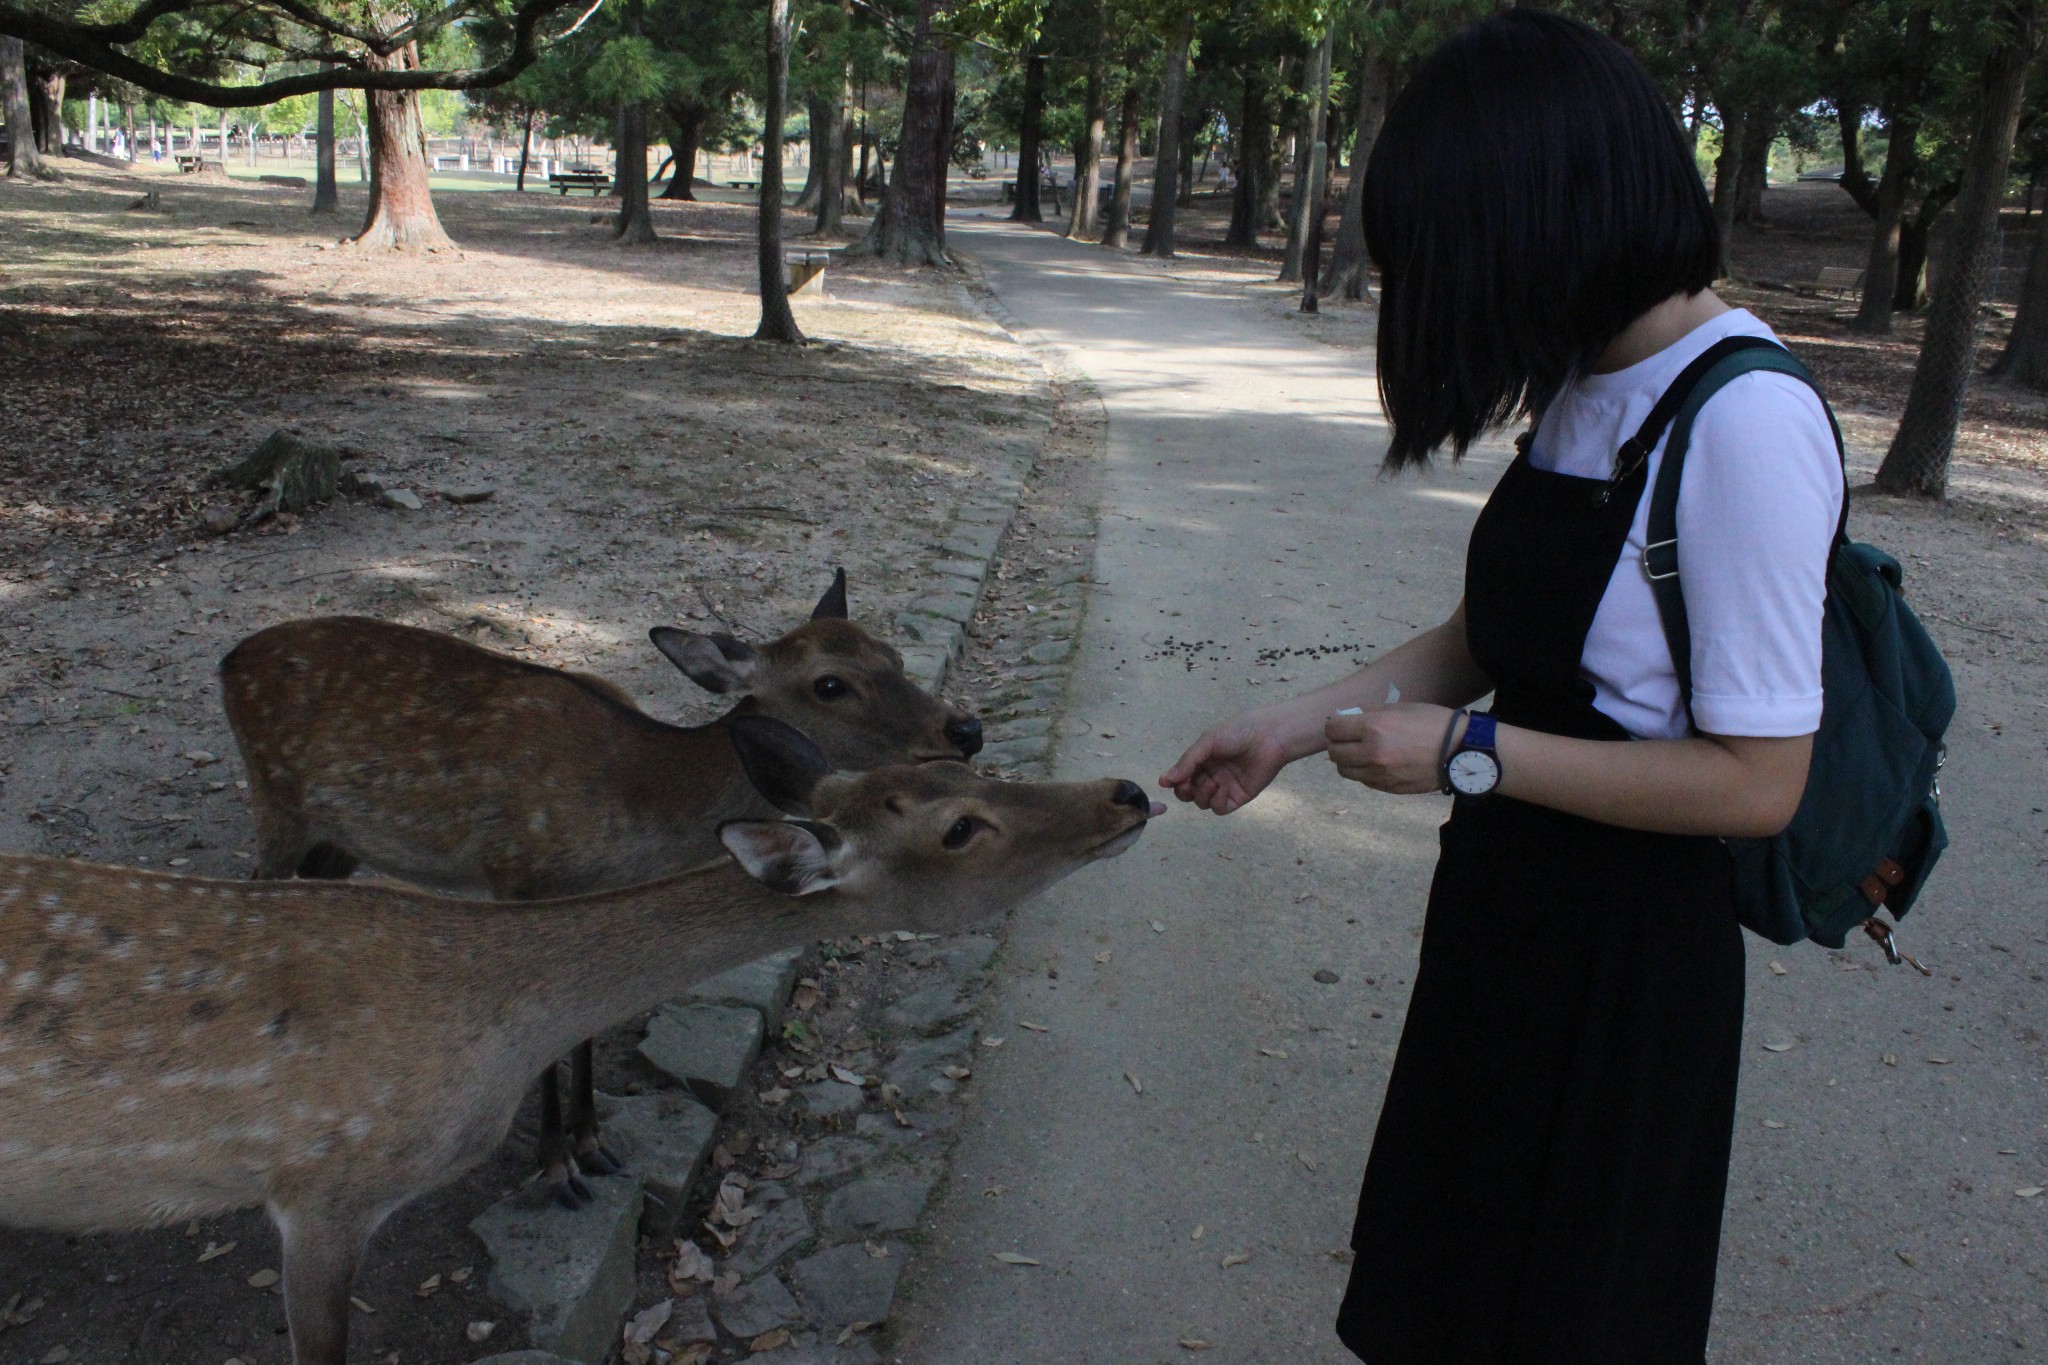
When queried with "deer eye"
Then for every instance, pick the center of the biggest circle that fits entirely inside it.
(830, 688)
(962, 830)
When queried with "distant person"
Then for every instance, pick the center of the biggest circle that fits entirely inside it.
(1546, 1183)
(156, 149)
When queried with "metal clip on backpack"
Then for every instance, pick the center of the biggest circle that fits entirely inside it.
(1869, 828)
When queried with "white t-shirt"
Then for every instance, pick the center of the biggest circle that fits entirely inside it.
(1756, 514)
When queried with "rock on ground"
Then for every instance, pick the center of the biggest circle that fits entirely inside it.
(762, 985)
(706, 1047)
(662, 1139)
(848, 1285)
(571, 1272)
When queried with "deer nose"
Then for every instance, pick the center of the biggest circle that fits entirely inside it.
(965, 733)
(1129, 793)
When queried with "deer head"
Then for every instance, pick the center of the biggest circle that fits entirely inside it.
(834, 681)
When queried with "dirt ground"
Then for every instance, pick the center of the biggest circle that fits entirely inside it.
(650, 465)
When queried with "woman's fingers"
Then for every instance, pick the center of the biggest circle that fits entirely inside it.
(1183, 771)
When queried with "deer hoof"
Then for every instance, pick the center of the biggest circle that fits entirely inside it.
(572, 1192)
(599, 1160)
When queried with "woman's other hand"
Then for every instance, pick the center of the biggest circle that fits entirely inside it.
(1228, 766)
(1390, 748)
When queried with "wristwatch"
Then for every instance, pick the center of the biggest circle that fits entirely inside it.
(1473, 768)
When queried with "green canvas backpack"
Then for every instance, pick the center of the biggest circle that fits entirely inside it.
(1868, 830)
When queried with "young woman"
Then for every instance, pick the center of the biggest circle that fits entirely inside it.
(1546, 1182)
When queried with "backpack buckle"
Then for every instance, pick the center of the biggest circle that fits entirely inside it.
(1881, 934)
(1660, 560)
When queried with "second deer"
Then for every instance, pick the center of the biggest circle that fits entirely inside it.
(177, 1047)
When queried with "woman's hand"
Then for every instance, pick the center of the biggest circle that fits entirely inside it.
(1235, 761)
(1390, 748)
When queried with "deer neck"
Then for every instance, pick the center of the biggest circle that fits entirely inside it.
(584, 965)
(700, 775)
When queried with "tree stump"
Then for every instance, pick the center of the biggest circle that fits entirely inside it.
(292, 474)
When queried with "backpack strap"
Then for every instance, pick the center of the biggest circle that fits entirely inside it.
(1679, 407)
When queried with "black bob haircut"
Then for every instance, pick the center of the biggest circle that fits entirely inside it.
(1529, 196)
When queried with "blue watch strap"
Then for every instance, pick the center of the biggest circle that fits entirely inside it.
(1479, 731)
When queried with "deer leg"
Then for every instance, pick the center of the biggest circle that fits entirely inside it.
(281, 846)
(557, 1159)
(320, 1255)
(585, 1135)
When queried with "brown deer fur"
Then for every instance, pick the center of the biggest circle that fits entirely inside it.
(177, 1047)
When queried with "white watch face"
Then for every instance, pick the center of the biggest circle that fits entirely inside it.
(1474, 772)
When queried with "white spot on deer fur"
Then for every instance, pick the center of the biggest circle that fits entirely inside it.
(66, 986)
(8, 1077)
(50, 900)
(60, 923)
(153, 980)
(27, 979)
(122, 950)
(358, 1127)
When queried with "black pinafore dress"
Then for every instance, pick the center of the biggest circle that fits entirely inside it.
(1546, 1182)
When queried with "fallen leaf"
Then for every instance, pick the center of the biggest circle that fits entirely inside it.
(461, 1274)
(1103, 956)
(56, 1355)
(690, 1266)
(1777, 1047)
(649, 1320)
(1158, 926)
(1035, 1028)
(1772, 1123)
(901, 1122)
(1014, 1258)
(1107, 734)
(696, 1353)
(428, 1286)
(364, 1307)
(213, 1250)
(805, 997)
(905, 936)
(179, 862)
(2028, 1191)
(1903, 1257)
(1136, 1084)
(1272, 1052)
(776, 1095)
(1196, 1235)
(727, 1281)
(845, 1077)
(480, 1332)
(876, 1250)
(1236, 1258)
(201, 757)
(1305, 1159)
(769, 1341)
(1937, 1061)
(263, 1279)
(1891, 1059)
(1777, 967)
(955, 1073)
(991, 1043)
(1193, 1344)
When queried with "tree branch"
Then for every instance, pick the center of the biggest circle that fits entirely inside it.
(89, 45)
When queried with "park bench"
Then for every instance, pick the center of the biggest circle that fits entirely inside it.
(1839, 280)
(597, 182)
(1049, 186)
(746, 185)
(190, 164)
(804, 269)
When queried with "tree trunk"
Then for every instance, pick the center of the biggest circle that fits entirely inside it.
(525, 149)
(1308, 188)
(1254, 131)
(401, 216)
(48, 92)
(1914, 233)
(1159, 224)
(635, 223)
(1726, 175)
(2025, 359)
(326, 197)
(687, 122)
(1346, 277)
(819, 113)
(1753, 177)
(831, 149)
(1028, 140)
(1088, 150)
(907, 228)
(778, 323)
(25, 158)
(1917, 463)
(942, 144)
(1117, 231)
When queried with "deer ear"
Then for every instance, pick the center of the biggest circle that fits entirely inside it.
(795, 857)
(832, 606)
(780, 760)
(716, 663)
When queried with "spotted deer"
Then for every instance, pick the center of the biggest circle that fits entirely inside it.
(177, 1047)
(445, 764)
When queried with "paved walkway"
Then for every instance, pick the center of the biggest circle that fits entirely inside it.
(1244, 530)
